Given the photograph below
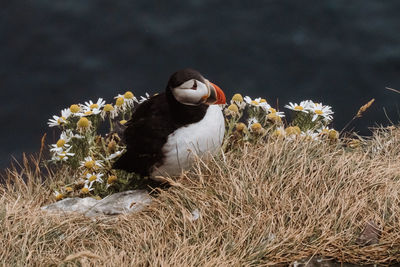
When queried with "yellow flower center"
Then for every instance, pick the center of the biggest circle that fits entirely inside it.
(108, 108)
(90, 164)
(272, 110)
(85, 190)
(237, 98)
(69, 189)
(92, 178)
(83, 123)
(111, 179)
(61, 120)
(60, 143)
(256, 127)
(299, 108)
(128, 95)
(318, 112)
(253, 102)
(354, 143)
(89, 112)
(74, 108)
(233, 108)
(93, 106)
(59, 197)
(240, 126)
(293, 130)
(263, 100)
(273, 117)
(123, 122)
(119, 102)
(277, 133)
(333, 134)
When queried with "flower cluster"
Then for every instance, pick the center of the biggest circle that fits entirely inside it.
(91, 155)
(310, 120)
(82, 148)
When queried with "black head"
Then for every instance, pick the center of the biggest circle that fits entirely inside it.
(189, 87)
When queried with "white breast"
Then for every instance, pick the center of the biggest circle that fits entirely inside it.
(197, 139)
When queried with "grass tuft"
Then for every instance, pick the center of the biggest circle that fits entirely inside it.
(271, 202)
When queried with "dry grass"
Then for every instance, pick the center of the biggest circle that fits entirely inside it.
(275, 202)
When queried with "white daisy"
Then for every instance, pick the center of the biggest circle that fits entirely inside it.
(60, 121)
(279, 132)
(56, 121)
(125, 101)
(320, 110)
(110, 110)
(90, 163)
(143, 99)
(91, 108)
(87, 188)
(309, 134)
(115, 155)
(69, 134)
(58, 195)
(303, 106)
(62, 155)
(237, 99)
(94, 177)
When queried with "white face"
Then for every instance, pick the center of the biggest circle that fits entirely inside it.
(192, 92)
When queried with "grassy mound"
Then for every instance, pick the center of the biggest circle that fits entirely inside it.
(271, 202)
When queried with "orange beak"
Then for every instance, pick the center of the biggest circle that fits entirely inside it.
(221, 99)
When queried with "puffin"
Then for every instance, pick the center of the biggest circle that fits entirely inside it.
(169, 130)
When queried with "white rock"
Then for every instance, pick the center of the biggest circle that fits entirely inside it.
(123, 202)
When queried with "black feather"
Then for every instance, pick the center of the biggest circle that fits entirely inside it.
(151, 124)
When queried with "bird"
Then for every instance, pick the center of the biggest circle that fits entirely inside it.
(169, 130)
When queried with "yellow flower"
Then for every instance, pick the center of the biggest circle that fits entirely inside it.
(83, 123)
(108, 108)
(128, 95)
(119, 102)
(279, 132)
(256, 127)
(293, 130)
(69, 189)
(60, 143)
(253, 102)
(333, 135)
(274, 118)
(237, 98)
(354, 143)
(272, 110)
(240, 126)
(74, 108)
(263, 100)
(123, 121)
(111, 179)
(92, 178)
(85, 190)
(58, 195)
(233, 108)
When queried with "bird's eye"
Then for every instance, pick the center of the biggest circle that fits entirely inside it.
(194, 87)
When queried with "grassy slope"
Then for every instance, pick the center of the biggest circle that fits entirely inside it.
(267, 203)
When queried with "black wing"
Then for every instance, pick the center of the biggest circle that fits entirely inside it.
(146, 133)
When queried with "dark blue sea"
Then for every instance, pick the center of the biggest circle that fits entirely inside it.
(55, 53)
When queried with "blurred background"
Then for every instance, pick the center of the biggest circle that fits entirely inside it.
(54, 53)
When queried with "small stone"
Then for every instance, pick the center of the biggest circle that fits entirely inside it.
(123, 202)
(370, 235)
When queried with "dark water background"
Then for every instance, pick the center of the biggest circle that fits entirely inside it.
(57, 52)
